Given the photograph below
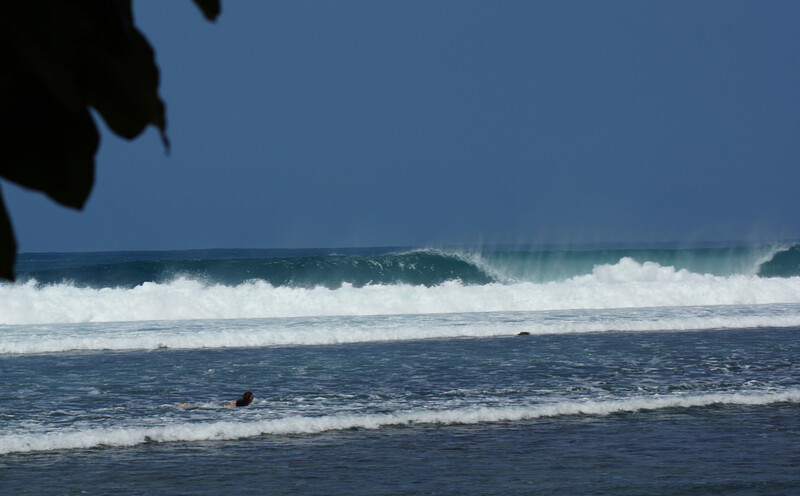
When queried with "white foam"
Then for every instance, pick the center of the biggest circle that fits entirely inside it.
(627, 284)
(210, 431)
(237, 333)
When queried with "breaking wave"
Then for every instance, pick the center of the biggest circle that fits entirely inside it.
(82, 438)
(364, 267)
(626, 284)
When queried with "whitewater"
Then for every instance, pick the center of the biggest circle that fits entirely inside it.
(627, 283)
(199, 431)
(403, 364)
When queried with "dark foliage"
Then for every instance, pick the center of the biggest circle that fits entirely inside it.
(58, 58)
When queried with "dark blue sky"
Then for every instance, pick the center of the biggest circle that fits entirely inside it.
(324, 124)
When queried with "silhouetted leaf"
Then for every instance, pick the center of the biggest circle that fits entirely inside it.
(89, 53)
(210, 8)
(123, 87)
(45, 145)
(46, 35)
(58, 58)
(8, 245)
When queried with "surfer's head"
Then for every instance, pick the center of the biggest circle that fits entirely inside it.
(247, 398)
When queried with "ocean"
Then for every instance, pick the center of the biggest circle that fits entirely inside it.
(469, 371)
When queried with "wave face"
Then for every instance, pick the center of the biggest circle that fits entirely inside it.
(361, 267)
(785, 262)
(300, 269)
(237, 284)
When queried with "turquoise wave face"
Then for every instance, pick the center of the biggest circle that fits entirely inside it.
(427, 268)
(362, 267)
(784, 263)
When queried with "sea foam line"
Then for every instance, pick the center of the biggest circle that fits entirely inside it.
(627, 284)
(257, 333)
(213, 431)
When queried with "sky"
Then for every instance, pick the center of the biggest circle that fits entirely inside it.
(298, 124)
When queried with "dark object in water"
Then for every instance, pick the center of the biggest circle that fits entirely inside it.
(523, 333)
(246, 399)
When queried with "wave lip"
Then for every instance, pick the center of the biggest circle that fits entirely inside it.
(213, 431)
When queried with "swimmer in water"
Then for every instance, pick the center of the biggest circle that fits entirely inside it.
(246, 399)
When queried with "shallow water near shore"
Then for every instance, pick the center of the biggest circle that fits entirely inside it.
(666, 412)
(680, 453)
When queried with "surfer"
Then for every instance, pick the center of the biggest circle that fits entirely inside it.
(245, 400)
